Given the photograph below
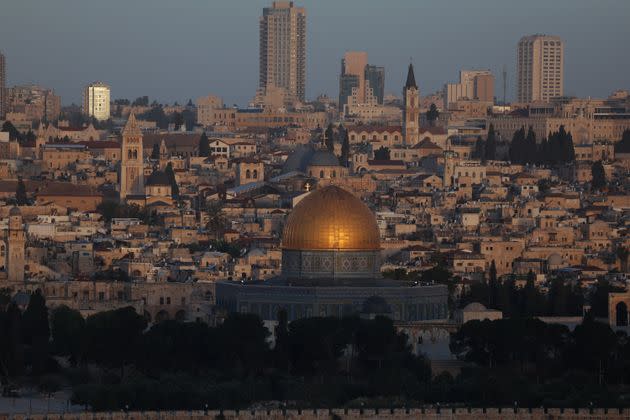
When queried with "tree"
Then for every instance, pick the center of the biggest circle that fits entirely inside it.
(141, 101)
(217, 219)
(8, 127)
(432, 114)
(178, 120)
(493, 287)
(36, 330)
(204, 145)
(329, 138)
(480, 149)
(382, 153)
(111, 336)
(170, 173)
(491, 144)
(67, 332)
(21, 198)
(530, 154)
(345, 146)
(517, 146)
(622, 146)
(599, 176)
(155, 151)
(622, 254)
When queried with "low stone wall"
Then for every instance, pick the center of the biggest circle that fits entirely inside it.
(367, 414)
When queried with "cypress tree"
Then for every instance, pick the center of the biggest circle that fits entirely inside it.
(530, 146)
(491, 144)
(36, 330)
(20, 193)
(170, 173)
(599, 176)
(204, 145)
(155, 151)
(330, 138)
(345, 146)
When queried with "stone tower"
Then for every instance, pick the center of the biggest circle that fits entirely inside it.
(164, 157)
(131, 163)
(15, 246)
(411, 112)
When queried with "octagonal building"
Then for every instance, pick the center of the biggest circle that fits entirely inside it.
(331, 267)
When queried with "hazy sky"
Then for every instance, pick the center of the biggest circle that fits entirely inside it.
(179, 49)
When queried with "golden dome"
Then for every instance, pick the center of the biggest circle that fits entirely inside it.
(331, 218)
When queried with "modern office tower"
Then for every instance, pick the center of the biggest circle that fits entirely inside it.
(540, 68)
(475, 85)
(375, 81)
(283, 48)
(352, 77)
(359, 82)
(96, 101)
(3, 87)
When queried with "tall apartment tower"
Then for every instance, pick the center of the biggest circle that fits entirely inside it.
(359, 82)
(540, 68)
(96, 101)
(131, 162)
(411, 110)
(283, 48)
(15, 246)
(3, 87)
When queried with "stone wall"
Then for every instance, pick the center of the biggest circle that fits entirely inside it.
(368, 414)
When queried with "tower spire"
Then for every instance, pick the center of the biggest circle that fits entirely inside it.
(411, 78)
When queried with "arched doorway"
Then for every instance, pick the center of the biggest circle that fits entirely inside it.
(180, 316)
(621, 314)
(161, 316)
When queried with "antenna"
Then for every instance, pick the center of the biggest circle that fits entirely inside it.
(504, 72)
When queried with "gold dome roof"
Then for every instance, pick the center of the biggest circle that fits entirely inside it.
(331, 218)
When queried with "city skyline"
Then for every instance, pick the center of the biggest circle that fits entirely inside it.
(201, 44)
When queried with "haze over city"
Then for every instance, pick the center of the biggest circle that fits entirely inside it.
(307, 210)
(174, 50)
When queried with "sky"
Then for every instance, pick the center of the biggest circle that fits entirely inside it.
(173, 50)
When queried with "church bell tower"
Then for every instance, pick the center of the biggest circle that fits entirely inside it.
(131, 163)
(411, 112)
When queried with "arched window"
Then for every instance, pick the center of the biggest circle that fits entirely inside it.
(129, 155)
(255, 174)
(321, 174)
(135, 154)
(334, 174)
(621, 314)
(248, 174)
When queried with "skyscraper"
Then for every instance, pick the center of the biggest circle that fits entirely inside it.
(473, 85)
(96, 101)
(283, 48)
(375, 82)
(3, 87)
(540, 68)
(359, 82)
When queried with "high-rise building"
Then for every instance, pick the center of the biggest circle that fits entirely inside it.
(411, 110)
(131, 160)
(35, 102)
(375, 82)
(283, 48)
(96, 101)
(477, 85)
(540, 68)
(359, 82)
(3, 87)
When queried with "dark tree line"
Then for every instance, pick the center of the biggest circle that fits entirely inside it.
(545, 363)
(556, 149)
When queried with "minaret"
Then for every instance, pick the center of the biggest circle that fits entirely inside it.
(15, 247)
(163, 155)
(131, 163)
(411, 112)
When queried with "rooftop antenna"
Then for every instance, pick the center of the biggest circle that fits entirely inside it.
(504, 72)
